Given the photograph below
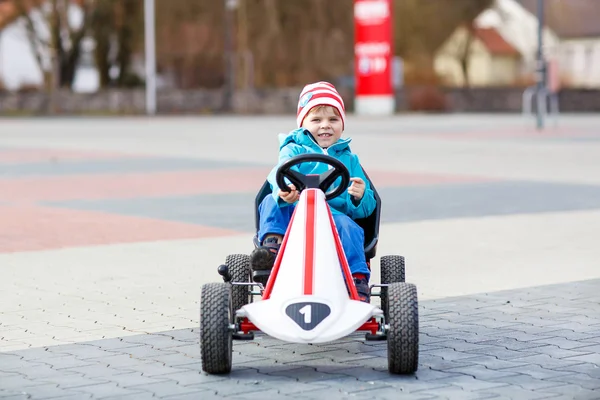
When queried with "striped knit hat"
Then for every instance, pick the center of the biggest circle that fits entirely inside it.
(317, 94)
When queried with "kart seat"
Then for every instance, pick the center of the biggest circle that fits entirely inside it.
(369, 224)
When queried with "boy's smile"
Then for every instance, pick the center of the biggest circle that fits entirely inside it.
(325, 125)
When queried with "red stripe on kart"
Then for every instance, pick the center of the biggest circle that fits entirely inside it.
(342, 258)
(277, 264)
(309, 251)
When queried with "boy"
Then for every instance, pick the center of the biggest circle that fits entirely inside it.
(320, 118)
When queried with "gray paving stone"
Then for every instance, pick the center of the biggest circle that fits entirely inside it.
(516, 393)
(112, 344)
(149, 369)
(593, 358)
(590, 369)
(133, 396)
(469, 383)
(526, 382)
(582, 380)
(166, 388)
(12, 381)
(161, 340)
(504, 353)
(96, 371)
(12, 395)
(35, 354)
(185, 378)
(73, 381)
(264, 394)
(580, 319)
(12, 362)
(438, 363)
(546, 361)
(537, 372)
(190, 350)
(47, 391)
(576, 392)
(81, 351)
(428, 374)
(494, 363)
(449, 354)
(41, 371)
(226, 390)
(111, 389)
(307, 374)
(513, 344)
(563, 343)
(68, 362)
(521, 336)
(457, 393)
(74, 396)
(135, 379)
(557, 352)
(483, 373)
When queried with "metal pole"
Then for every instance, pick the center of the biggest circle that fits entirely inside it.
(230, 6)
(541, 81)
(150, 42)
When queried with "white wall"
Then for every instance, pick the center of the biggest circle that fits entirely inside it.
(18, 66)
(579, 61)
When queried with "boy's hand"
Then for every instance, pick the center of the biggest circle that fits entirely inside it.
(357, 189)
(289, 197)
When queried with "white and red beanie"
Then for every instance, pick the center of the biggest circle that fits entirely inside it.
(319, 94)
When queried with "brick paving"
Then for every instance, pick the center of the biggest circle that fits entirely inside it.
(536, 343)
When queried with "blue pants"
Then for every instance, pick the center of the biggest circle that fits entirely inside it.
(275, 220)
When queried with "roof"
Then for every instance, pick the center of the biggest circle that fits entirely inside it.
(569, 18)
(494, 42)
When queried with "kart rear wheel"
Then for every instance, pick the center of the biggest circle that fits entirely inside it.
(403, 333)
(239, 270)
(392, 271)
(216, 342)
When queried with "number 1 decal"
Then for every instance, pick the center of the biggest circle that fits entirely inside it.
(307, 312)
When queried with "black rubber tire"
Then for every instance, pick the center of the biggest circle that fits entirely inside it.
(239, 269)
(392, 271)
(403, 333)
(216, 341)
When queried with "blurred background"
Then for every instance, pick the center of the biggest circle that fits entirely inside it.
(252, 56)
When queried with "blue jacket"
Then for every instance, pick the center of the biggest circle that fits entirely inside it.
(300, 141)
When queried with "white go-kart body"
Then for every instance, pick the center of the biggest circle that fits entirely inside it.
(310, 296)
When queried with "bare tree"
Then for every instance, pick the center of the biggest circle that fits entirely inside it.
(56, 44)
(116, 26)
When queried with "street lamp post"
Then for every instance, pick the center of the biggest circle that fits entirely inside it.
(541, 68)
(150, 45)
(230, 6)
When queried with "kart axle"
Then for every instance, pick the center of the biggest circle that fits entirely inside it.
(246, 327)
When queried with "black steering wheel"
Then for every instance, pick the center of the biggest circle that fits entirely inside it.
(322, 181)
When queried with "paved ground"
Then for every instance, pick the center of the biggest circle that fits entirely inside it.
(110, 226)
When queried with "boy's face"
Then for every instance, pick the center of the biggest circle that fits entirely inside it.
(325, 126)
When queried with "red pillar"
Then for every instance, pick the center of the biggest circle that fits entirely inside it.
(373, 52)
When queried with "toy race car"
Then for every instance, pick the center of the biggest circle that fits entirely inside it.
(310, 295)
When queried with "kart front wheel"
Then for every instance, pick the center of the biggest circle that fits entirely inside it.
(216, 341)
(392, 270)
(403, 332)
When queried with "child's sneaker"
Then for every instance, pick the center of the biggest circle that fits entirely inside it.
(362, 287)
(262, 259)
